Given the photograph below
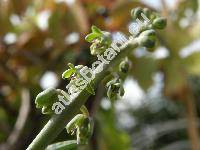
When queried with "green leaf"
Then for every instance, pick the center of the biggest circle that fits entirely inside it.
(67, 73)
(90, 37)
(96, 30)
(71, 66)
(65, 145)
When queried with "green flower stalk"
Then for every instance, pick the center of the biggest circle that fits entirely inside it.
(82, 124)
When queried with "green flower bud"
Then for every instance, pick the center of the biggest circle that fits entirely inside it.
(97, 49)
(115, 89)
(124, 66)
(147, 42)
(83, 126)
(135, 13)
(147, 39)
(111, 94)
(159, 23)
(46, 98)
(101, 40)
(101, 43)
(85, 131)
(75, 123)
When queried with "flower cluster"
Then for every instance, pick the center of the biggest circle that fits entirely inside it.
(81, 77)
(82, 125)
(101, 40)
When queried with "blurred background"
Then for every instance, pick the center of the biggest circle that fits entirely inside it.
(161, 106)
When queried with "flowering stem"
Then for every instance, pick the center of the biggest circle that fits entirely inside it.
(58, 122)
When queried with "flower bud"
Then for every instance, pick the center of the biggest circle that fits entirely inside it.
(111, 95)
(83, 125)
(97, 48)
(147, 39)
(135, 13)
(115, 89)
(46, 98)
(124, 66)
(75, 123)
(159, 23)
(101, 40)
(100, 44)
